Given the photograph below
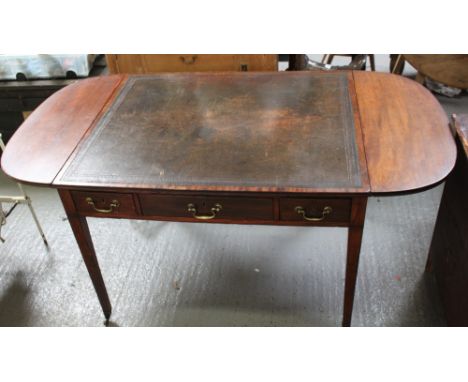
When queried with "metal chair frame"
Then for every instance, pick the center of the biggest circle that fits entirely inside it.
(21, 199)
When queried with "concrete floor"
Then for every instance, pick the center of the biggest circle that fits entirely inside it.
(181, 274)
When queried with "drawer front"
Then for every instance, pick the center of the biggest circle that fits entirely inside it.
(104, 204)
(315, 210)
(154, 63)
(206, 208)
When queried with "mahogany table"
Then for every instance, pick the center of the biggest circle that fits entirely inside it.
(295, 148)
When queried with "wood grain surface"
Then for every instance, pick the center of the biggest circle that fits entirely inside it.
(80, 229)
(407, 139)
(232, 208)
(461, 129)
(155, 63)
(449, 69)
(43, 143)
(355, 231)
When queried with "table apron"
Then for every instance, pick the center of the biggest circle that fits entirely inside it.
(284, 210)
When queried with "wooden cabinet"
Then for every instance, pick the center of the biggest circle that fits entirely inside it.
(448, 254)
(153, 63)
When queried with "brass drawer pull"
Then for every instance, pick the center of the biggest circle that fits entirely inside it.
(326, 211)
(214, 210)
(188, 60)
(114, 204)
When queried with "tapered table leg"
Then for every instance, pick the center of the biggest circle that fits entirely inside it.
(80, 229)
(358, 213)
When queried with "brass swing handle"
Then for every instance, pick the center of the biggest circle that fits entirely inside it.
(214, 210)
(114, 204)
(326, 211)
(188, 60)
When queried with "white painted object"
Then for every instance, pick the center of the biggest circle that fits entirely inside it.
(22, 199)
(41, 66)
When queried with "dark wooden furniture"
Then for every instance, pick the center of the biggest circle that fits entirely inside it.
(290, 148)
(20, 97)
(297, 62)
(448, 69)
(155, 63)
(448, 254)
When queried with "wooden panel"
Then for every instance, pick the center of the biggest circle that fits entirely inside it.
(234, 132)
(407, 139)
(449, 247)
(9, 122)
(461, 129)
(155, 63)
(449, 69)
(40, 147)
(235, 208)
(313, 207)
(125, 205)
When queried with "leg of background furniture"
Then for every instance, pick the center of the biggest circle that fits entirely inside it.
(352, 258)
(297, 62)
(420, 78)
(85, 243)
(372, 62)
(397, 63)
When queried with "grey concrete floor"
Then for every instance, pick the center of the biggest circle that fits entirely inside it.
(182, 274)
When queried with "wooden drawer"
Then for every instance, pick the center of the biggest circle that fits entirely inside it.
(338, 211)
(104, 203)
(155, 63)
(235, 208)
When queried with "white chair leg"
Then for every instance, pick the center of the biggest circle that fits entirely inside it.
(24, 199)
(36, 220)
(2, 221)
